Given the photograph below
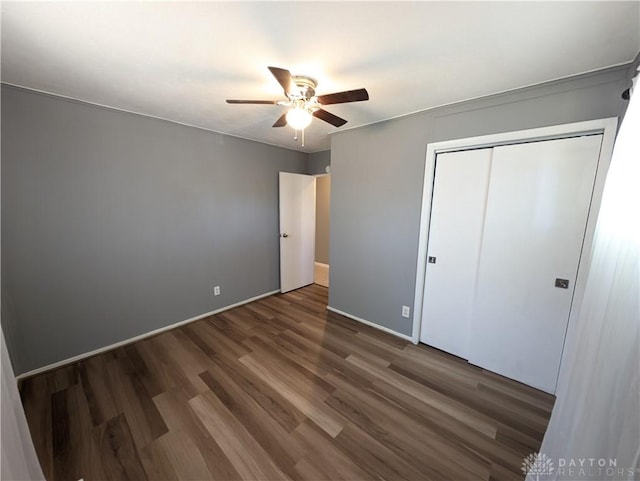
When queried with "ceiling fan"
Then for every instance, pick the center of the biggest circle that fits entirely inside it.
(303, 102)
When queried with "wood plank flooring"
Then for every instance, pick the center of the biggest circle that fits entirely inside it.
(281, 389)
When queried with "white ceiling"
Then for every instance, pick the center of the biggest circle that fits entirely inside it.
(181, 60)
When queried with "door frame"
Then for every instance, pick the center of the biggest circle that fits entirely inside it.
(325, 174)
(607, 127)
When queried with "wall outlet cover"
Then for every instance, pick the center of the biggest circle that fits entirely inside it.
(406, 311)
(216, 291)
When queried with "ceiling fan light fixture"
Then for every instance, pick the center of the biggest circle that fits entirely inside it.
(299, 118)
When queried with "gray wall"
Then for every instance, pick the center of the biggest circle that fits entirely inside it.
(116, 224)
(377, 176)
(318, 162)
(323, 196)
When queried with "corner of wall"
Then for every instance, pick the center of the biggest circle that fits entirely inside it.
(317, 162)
(19, 459)
(9, 332)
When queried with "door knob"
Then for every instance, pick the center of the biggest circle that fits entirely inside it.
(285, 235)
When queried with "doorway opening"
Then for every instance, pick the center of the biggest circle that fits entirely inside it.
(321, 259)
(304, 230)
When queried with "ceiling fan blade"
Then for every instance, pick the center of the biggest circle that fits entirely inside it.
(265, 102)
(357, 95)
(329, 117)
(284, 78)
(282, 121)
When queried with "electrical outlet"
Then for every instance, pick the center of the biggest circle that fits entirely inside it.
(216, 291)
(405, 311)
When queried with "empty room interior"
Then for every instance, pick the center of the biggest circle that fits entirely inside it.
(320, 240)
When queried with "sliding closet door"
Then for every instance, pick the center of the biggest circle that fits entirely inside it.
(455, 233)
(537, 207)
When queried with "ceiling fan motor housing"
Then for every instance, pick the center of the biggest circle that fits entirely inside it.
(306, 88)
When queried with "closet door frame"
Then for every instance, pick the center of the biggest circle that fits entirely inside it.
(607, 127)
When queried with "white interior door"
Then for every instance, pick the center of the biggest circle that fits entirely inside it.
(297, 230)
(455, 238)
(537, 208)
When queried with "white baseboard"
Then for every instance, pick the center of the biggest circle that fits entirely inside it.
(85, 355)
(369, 323)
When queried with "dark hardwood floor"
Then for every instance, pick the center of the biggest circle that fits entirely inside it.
(277, 389)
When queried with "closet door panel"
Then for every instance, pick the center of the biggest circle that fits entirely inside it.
(537, 207)
(455, 233)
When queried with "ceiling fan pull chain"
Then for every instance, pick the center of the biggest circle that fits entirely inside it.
(303, 137)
